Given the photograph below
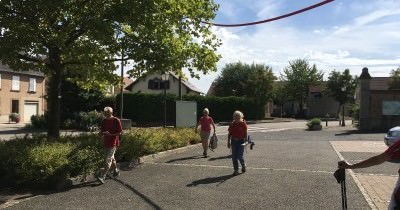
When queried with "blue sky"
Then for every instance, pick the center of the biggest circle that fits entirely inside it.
(340, 35)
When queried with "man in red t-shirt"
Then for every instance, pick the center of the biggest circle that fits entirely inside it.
(205, 123)
(392, 153)
(110, 131)
(237, 135)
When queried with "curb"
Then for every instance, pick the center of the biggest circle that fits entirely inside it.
(152, 157)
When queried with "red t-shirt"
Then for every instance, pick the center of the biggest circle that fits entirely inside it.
(206, 123)
(112, 125)
(238, 130)
(394, 151)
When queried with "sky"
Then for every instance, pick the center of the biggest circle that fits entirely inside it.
(339, 35)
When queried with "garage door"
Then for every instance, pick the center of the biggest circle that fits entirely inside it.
(30, 108)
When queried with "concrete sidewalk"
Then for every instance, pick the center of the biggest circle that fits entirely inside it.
(376, 188)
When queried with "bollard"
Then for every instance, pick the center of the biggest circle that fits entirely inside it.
(326, 119)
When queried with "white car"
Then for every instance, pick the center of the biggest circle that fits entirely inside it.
(392, 136)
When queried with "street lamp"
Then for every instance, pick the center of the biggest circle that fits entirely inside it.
(344, 93)
(165, 79)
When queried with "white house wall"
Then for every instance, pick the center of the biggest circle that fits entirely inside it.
(142, 86)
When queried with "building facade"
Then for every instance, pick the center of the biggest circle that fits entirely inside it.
(379, 105)
(153, 83)
(21, 92)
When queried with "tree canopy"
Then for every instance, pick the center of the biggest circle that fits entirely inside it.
(341, 86)
(395, 79)
(84, 38)
(249, 80)
(298, 77)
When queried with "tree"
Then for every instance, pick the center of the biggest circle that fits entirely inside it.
(253, 81)
(239, 79)
(341, 86)
(280, 95)
(395, 79)
(85, 37)
(298, 77)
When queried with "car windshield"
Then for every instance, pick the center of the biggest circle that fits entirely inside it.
(394, 133)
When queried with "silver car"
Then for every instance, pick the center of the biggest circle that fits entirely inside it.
(392, 136)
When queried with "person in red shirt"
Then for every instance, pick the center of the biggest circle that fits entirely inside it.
(205, 123)
(392, 153)
(110, 131)
(237, 135)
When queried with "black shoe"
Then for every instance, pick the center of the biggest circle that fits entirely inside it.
(101, 179)
(116, 173)
(205, 154)
(235, 173)
(243, 169)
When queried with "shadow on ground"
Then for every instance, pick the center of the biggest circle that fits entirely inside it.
(141, 195)
(220, 158)
(211, 180)
(186, 158)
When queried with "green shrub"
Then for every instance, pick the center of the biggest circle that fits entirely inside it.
(313, 122)
(44, 161)
(38, 121)
(14, 117)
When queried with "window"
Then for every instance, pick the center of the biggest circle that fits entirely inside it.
(32, 85)
(157, 84)
(15, 83)
(15, 106)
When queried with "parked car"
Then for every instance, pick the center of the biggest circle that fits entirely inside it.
(392, 136)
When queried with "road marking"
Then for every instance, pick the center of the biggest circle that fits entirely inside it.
(263, 130)
(252, 168)
(358, 183)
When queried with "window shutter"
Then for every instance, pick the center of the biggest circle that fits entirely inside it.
(32, 84)
(15, 83)
(151, 84)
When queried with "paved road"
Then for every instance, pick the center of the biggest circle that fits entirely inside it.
(290, 168)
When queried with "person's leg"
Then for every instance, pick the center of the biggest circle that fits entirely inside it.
(204, 141)
(240, 153)
(110, 160)
(234, 147)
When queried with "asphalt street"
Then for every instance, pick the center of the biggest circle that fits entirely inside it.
(289, 168)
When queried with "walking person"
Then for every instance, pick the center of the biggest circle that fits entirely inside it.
(392, 153)
(205, 123)
(110, 131)
(237, 134)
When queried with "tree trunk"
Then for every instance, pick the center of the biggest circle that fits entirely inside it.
(54, 95)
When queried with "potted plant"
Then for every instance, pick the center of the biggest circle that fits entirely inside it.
(314, 124)
(14, 117)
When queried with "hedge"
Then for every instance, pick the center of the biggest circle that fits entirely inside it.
(43, 162)
(148, 109)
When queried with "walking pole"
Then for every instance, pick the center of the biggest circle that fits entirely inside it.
(340, 176)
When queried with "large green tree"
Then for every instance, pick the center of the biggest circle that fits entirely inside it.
(341, 86)
(85, 37)
(298, 77)
(395, 79)
(249, 80)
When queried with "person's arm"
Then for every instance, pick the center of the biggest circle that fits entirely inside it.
(229, 136)
(375, 160)
(245, 131)
(213, 124)
(197, 125)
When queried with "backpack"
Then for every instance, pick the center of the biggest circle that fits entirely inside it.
(213, 142)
